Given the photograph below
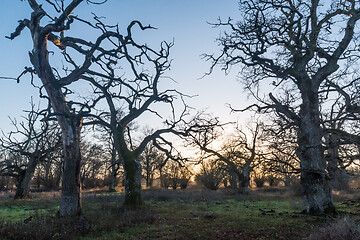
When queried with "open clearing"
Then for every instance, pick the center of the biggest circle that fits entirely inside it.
(269, 213)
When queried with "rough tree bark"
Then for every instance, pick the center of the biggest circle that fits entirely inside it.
(70, 204)
(132, 169)
(314, 179)
(70, 124)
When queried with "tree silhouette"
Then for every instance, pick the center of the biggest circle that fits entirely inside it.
(31, 143)
(300, 48)
(69, 114)
(130, 92)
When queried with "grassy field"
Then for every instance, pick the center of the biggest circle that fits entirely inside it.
(168, 214)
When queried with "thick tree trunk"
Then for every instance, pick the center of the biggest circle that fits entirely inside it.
(314, 180)
(23, 185)
(70, 127)
(70, 204)
(132, 169)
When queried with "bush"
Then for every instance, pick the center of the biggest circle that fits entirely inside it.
(174, 183)
(175, 175)
(211, 174)
(345, 229)
(259, 181)
(210, 180)
(165, 181)
(272, 180)
(184, 183)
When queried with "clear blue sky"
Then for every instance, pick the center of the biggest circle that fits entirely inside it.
(184, 21)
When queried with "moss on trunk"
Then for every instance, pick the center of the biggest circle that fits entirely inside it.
(314, 179)
(132, 170)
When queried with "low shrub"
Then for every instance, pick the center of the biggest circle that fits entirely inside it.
(272, 180)
(259, 181)
(211, 174)
(165, 181)
(210, 180)
(184, 183)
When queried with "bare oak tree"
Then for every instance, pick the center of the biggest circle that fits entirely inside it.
(279, 138)
(297, 46)
(127, 88)
(239, 153)
(93, 160)
(123, 74)
(150, 163)
(54, 83)
(30, 144)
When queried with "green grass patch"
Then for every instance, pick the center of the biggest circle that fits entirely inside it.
(253, 216)
(18, 210)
